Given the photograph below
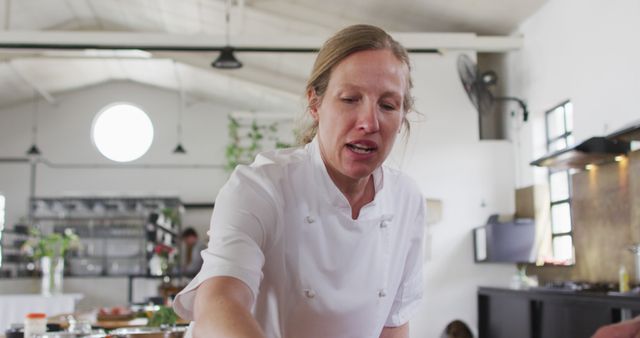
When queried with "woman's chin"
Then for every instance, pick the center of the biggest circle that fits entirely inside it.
(358, 171)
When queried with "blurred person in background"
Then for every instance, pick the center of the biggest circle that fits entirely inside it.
(193, 247)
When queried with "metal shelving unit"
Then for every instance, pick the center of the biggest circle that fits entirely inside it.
(117, 235)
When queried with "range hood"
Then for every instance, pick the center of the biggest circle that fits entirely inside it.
(596, 150)
(627, 134)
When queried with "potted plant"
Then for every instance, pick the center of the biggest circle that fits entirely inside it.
(50, 250)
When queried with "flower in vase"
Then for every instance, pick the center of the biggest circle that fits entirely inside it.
(51, 245)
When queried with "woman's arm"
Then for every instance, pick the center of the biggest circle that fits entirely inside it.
(401, 331)
(625, 329)
(223, 309)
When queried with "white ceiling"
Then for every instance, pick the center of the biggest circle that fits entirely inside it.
(267, 81)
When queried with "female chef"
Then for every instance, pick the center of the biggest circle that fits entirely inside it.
(321, 240)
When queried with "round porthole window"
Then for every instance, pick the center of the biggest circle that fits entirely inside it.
(122, 132)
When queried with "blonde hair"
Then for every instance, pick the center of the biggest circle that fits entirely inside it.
(344, 43)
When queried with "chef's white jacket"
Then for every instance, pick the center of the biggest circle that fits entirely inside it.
(282, 227)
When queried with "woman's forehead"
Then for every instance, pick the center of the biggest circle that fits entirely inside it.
(370, 69)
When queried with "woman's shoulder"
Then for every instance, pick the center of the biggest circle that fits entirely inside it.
(276, 164)
(280, 158)
(400, 182)
(269, 170)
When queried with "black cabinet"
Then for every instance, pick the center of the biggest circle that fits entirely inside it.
(573, 317)
(494, 309)
(543, 313)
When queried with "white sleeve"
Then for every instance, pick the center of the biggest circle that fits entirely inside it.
(409, 293)
(243, 219)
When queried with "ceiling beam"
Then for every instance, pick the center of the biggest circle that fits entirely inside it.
(416, 42)
(258, 82)
(5, 14)
(31, 83)
(286, 22)
(252, 73)
(303, 15)
(288, 87)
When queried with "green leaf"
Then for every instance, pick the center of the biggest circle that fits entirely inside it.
(164, 316)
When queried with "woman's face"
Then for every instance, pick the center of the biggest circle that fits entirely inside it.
(361, 112)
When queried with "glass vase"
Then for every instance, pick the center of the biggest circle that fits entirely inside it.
(52, 275)
(155, 265)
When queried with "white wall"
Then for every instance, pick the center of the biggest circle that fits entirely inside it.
(585, 51)
(64, 138)
(473, 178)
(98, 291)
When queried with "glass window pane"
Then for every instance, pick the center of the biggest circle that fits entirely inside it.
(1, 214)
(568, 108)
(563, 248)
(1, 225)
(570, 140)
(555, 122)
(481, 244)
(122, 132)
(559, 185)
(560, 218)
(557, 145)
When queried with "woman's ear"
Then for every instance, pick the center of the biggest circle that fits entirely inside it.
(313, 102)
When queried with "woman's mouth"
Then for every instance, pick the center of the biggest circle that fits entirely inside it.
(362, 147)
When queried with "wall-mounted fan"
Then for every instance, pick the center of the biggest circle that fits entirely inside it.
(478, 87)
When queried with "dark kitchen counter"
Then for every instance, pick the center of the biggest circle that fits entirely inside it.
(624, 300)
(549, 312)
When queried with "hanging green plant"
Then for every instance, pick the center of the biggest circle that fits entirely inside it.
(243, 148)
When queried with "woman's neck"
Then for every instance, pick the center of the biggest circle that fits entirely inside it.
(358, 192)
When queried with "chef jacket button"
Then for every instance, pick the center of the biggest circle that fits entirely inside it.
(382, 294)
(309, 293)
(309, 219)
(384, 223)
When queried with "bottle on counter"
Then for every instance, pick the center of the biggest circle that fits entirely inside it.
(15, 331)
(34, 323)
(623, 277)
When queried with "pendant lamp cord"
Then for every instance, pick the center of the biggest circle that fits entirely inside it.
(227, 19)
(181, 103)
(7, 15)
(34, 119)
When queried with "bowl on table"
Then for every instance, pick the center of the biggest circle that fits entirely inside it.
(149, 332)
(64, 334)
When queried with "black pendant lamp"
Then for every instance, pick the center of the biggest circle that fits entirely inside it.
(179, 149)
(226, 59)
(33, 150)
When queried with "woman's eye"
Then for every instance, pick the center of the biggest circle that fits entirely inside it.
(388, 106)
(349, 99)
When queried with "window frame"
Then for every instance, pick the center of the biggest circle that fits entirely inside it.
(95, 125)
(3, 215)
(566, 136)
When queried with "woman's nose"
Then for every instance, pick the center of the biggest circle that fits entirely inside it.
(368, 118)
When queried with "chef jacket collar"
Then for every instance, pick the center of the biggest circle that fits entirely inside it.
(333, 195)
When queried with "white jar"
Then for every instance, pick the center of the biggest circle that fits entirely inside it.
(34, 323)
